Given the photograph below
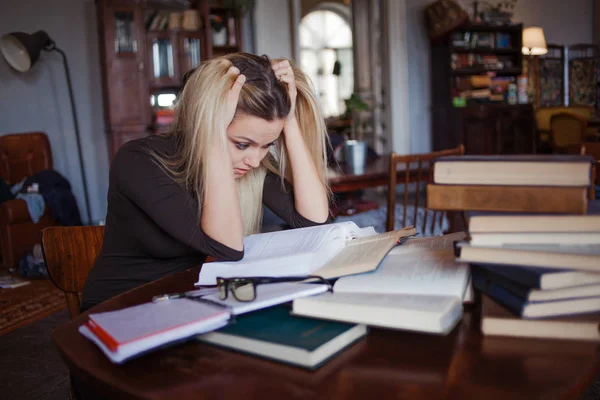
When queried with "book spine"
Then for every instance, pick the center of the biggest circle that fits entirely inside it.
(103, 336)
(486, 274)
(507, 198)
(519, 275)
(504, 297)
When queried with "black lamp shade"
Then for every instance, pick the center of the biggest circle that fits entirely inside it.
(21, 50)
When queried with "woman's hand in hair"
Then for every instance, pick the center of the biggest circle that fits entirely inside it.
(233, 95)
(284, 72)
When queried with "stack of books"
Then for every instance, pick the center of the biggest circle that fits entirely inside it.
(536, 258)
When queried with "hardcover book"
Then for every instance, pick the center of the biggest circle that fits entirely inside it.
(518, 170)
(275, 334)
(498, 321)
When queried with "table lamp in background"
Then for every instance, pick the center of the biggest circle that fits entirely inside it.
(21, 51)
(534, 44)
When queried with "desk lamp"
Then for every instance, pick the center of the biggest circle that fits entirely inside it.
(21, 51)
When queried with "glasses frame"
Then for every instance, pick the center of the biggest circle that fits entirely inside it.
(260, 280)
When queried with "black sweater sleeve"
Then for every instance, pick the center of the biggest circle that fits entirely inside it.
(138, 177)
(281, 201)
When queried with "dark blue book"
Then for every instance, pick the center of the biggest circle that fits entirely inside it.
(529, 292)
(533, 309)
(275, 334)
(539, 277)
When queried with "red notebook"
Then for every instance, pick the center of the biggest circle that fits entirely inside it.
(126, 333)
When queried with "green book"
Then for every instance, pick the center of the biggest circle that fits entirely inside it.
(275, 334)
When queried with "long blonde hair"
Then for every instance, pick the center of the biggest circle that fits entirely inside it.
(199, 125)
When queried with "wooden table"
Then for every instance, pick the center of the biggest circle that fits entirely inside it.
(376, 173)
(386, 364)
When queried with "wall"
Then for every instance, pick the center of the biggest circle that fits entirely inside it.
(564, 22)
(272, 31)
(39, 100)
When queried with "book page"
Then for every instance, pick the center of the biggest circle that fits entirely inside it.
(288, 242)
(415, 271)
(361, 256)
(434, 242)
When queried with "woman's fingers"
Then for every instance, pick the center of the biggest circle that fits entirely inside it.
(233, 95)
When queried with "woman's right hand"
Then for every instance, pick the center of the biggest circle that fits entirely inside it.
(233, 95)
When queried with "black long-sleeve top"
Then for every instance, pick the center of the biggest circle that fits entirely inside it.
(152, 223)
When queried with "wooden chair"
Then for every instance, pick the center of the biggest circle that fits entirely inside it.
(422, 173)
(567, 131)
(70, 253)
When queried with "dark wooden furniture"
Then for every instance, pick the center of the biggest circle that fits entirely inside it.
(498, 129)
(376, 173)
(22, 155)
(470, 75)
(386, 364)
(422, 166)
(70, 253)
(144, 55)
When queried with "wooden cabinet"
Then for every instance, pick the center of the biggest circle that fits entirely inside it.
(146, 47)
(122, 47)
(476, 75)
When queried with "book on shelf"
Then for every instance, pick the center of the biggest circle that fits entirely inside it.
(275, 334)
(498, 321)
(524, 308)
(330, 251)
(581, 257)
(528, 199)
(415, 288)
(526, 170)
(133, 331)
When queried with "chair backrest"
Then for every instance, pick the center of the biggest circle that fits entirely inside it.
(22, 155)
(567, 131)
(544, 114)
(70, 253)
(417, 169)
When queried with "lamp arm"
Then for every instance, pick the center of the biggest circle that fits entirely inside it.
(53, 47)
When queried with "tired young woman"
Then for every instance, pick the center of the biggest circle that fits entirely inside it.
(248, 131)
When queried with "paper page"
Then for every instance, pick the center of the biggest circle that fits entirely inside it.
(417, 271)
(148, 319)
(434, 242)
(283, 243)
(268, 295)
(283, 253)
(360, 256)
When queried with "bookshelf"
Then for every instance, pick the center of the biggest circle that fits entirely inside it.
(475, 91)
(146, 46)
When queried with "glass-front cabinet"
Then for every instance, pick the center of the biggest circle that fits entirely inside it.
(164, 68)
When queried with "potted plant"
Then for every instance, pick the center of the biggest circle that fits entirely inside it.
(355, 148)
(218, 30)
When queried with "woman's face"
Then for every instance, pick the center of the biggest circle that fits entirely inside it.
(249, 140)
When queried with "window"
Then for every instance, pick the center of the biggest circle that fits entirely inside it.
(326, 57)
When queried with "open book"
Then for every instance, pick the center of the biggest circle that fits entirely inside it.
(418, 287)
(329, 251)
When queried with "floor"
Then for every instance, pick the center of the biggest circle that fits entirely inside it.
(30, 366)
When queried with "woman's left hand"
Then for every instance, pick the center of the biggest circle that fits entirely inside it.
(284, 72)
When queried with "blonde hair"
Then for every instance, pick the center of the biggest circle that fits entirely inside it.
(199, 125)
